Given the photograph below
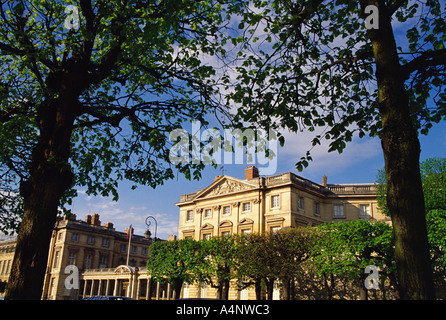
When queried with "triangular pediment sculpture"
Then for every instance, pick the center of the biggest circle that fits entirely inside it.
(225, 185)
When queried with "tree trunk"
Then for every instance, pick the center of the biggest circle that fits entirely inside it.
(286, 289)
(50, 176)
(258, 289)
(225, 289)
(270, 288)
(178, 284)
(401, 150)
(363, 292)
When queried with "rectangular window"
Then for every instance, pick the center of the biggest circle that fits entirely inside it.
(226, 233)
(301, 203)
(103, 261)
(274, 229)
(226, 210)
(317, 210)
(206, 236)
(56, 259)
(88, 261)
(246, 206)
(208, 213)
(75, 237)
(364, 210)
(52, 286)
(338, 211)
(72, 258)
(275, 202)
(134, 249)
(189, 215)
(90, 240)
(105, 242)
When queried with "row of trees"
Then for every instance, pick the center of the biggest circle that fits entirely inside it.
(323, 262)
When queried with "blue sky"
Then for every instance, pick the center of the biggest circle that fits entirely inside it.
(359, 163)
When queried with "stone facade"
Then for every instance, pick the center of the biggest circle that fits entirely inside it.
(265, 204)
(98, 253)
(268, 204)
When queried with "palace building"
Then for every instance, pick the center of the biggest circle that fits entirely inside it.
(97, 253)
(267, 204)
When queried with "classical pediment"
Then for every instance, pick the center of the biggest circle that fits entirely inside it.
(123, 269)
(225, 224)
(225, 185)
(246, 221)
(207, 226)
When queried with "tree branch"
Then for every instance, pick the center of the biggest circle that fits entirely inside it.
(395, 6)
(425, 60)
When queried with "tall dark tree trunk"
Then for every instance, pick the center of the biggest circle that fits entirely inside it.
(401, 150)
(269, 288)
(258, 289)
(50, 176)
(286, 289)
(178, 284)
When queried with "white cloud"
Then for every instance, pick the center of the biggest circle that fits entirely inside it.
(357, 151)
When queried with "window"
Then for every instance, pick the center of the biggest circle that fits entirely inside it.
(364, 210)
(226, 210)
(274, 229)
(246, 231)
(206, 236)
(88, 261)
(317, 210)
(301, 203)
(144, 251)
(103, 261)
(52, 286)
(338, 211)
(123, 247)
(75, 237)
(72, 258)
(56, 259)
(189, 215)
(275, 202)
(90, 240)
(134, 249)
(208, 213)
(226, 233)
(105, 242)
(246, 206)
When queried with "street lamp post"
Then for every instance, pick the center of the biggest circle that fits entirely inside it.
(148, 234)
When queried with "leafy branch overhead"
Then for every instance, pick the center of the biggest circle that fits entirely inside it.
(89, 92)
(130, 74)
(310, 65)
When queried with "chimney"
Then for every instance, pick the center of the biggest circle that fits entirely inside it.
(251, 172)
(95, 220)
(171, 237)
(324, 180)
(108, 225)
(88, 218)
